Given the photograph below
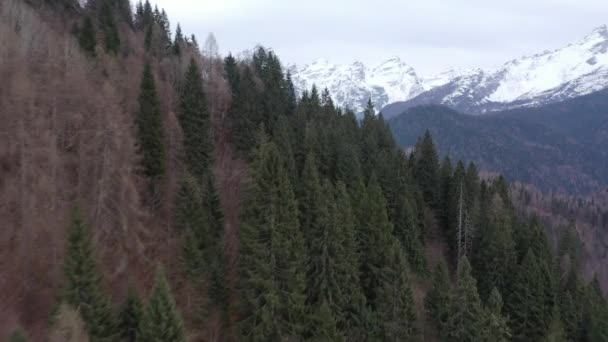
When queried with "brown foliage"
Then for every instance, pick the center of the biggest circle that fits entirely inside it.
(589, 214)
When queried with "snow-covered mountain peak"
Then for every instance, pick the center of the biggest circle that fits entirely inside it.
(575, 69)
(352, 84)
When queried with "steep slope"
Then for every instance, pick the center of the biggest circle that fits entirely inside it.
(577, 69)
(558, 147)
(351, 85)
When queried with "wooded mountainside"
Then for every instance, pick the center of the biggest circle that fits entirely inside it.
(151, 190)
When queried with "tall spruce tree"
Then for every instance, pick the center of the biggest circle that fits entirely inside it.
(350, 300)
(195, 122)
(83, 288)
(495, 323)
(438, 300)
(426, 169)
(394, 302)
(150, 128)
(406, 230)
(178, 41)
(466, 316)
(87, 36)
(495, 257)
(375, 236)
(273, 255)
(131, 315)
(161, 320)
(527, 304)
(555, 332)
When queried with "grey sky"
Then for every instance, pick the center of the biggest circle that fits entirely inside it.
(430, 35)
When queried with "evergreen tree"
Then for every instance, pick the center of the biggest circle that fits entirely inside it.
(595, 314)
(395, 305)
(496, 325)
(161, 320)
(495, 256)
(526, 304)
(426, 169)
(555, 332)
(178, 41)
(231, 71)
(350, 300)
(445, 179)
(150, 128)
(273, 256)
(465, 318)
(83, 288)
(438, 300)
(87, 36)
(375, 235)
(291, 95)
(139, 15)
(571, 314)
(109, 28)
(195, 122)
(245, 113)
(406, 230)
(131, 316)
(324, 327)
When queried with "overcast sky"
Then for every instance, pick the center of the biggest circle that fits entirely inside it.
(430, 35)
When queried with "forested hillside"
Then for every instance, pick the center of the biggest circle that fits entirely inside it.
(557, 147)
(151, 190)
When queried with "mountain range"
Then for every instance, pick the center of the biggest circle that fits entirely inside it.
(574, 70)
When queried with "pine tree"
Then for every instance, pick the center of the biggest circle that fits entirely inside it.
(527, 304)
(324, 327)
(273, 256)
(87, 36)
(571, 314)
(131, 316)
(465, 318)
(161, 320)
(178, 41)
(426, 169)
(495, 257)
(83, 288)
(595, 313)
(231, 71)
(496, 325)
(555, 332)
(195, 122)
(369, 140)
(139, 15)
(445, 179)
(291, 95)
(109, 28)
(245, 113)
(406, 230)
(375, 235)
(394, 302)
(351, 300)
(438, 300)
(150, 128)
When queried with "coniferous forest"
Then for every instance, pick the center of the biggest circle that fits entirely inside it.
(153, 190)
